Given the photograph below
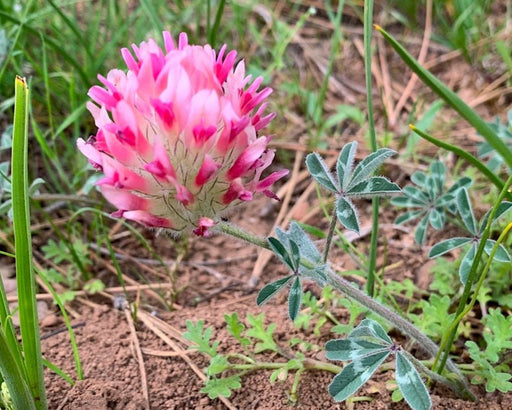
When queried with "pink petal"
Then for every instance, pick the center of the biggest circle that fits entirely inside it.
(147, 219)
(247, 158)
(202, 226)
(207, 171)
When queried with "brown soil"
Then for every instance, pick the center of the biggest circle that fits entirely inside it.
(112, 374)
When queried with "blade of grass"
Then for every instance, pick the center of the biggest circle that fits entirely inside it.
(451, 99)
(372, 264)
(212, 31)
(67, 322)
(13, 377)
(23, 248)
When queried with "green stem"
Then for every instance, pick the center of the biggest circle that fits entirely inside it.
(349, 290)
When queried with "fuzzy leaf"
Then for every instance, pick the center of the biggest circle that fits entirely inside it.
(447, 245)
(501, 254)
(319, 171)
(437, 175)
(502, 208)
(408, 216)
(347, 214)
(374, 186)
(369, 327)
(270, 290)
(354, 375)
(416, 195)
(419, 178)
(466, 263)
(465, 211)
(295, 299)
(345, 163)
(436, 218)
(410, 384)
(464, 182)
(281, 251)
(307, 248)
(420, 234)
(369, 165)
(295, 254)
(351, 349)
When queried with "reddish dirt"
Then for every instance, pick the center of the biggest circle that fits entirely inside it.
(112, 378)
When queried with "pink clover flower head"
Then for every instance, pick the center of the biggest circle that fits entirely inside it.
(177, 137)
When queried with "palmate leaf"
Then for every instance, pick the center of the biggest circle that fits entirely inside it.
(347, 214)
(345, 164)
(295, 299)
(410, 384)
(369, 165)
(351, 349)
(320, 172)
(270, 290)
(374, 186)
(354, 375)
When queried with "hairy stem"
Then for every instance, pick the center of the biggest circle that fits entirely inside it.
(371, 304)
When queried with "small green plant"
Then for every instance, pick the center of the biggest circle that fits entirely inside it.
(497, 341)
(429, 200)
(225, 370)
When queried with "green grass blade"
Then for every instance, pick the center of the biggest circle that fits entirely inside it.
(451, 99)
(22, 239)
(212, 31)
(372, 264)
(13, 377)
(67, 322)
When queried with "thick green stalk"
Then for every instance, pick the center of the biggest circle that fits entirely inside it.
(372, 264)
(29, 327)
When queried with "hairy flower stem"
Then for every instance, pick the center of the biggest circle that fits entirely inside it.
(345, 287)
